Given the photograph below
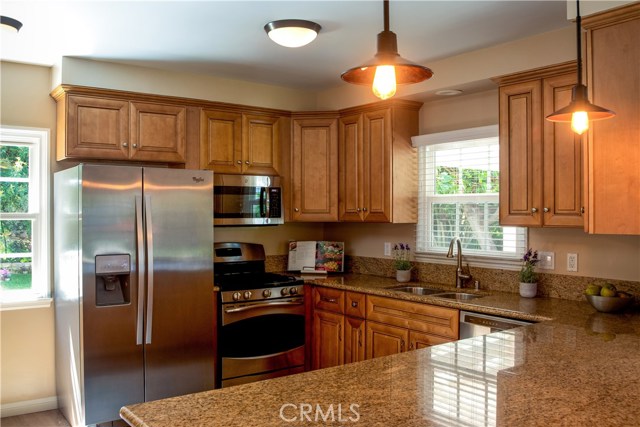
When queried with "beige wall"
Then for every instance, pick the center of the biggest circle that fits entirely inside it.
(274, 238)
(27, 340)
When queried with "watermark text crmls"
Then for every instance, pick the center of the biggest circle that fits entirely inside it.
(292, 412)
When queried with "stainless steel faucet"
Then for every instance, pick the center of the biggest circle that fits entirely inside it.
(461, 278)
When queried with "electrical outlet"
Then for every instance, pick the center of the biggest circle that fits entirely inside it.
(387, 249)
(572, 262)
(547, 260)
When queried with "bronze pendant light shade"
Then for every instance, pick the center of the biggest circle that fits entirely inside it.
(406, 72)
(580, 111)
(14, 24)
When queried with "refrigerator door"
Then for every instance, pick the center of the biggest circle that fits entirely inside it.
(113, 356)
(179, 322)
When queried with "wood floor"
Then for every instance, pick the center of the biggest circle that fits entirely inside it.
(51, 418)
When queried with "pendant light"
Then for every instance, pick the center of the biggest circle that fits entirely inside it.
(387, 68)
(10, 23)
(580, 111)
(292, 32)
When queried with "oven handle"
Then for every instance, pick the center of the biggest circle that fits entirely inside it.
(262, 305)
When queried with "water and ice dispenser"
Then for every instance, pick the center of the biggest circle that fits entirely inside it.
(113, 274)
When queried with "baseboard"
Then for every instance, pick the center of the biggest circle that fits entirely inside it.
(28, 406)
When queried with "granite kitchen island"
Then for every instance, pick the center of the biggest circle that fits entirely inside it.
(578, 368)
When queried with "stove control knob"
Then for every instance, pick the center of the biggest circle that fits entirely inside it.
(293, 291)
(247, 294)
(236, 296)
(284, 291)
(266, 293)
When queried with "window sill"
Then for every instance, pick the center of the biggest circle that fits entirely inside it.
(26, 304)
(472, 260)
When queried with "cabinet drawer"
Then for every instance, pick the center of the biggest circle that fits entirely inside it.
(355, 305)
(425, 318)
(328, 299)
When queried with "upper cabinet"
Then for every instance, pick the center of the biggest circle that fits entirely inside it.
(377, 164)
(612, 162)
(240, 143)
(314, 167)
(540, 161)
(109, 125)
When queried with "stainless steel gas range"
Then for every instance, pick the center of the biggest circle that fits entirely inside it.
(261, 316)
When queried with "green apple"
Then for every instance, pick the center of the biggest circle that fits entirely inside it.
(593, 289)
(608, 292)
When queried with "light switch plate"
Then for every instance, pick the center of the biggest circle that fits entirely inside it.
(547, 260)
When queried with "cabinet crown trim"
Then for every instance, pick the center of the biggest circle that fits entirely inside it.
(536, 73)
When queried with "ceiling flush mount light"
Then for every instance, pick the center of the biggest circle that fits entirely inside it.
(580, 111)
(292, 32)
(10, 23)
(387, 68)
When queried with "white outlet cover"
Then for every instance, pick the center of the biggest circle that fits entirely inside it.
(387, 248)
(547, 260)
(572, 262)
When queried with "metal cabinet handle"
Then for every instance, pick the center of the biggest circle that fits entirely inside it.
(357, 209)
(411, 346)
(339, 332)
(534, 210)
(296, 210)
(354, 303)
(582, 210)
(364, 209)
(359, 337)
(546, 210)
(124, 144)
(135, 145)
(331, 300)
(246, 162)
(239, 162)
(401, 346)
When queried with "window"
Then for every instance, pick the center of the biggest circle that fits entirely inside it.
(459, 188)
(24, 225)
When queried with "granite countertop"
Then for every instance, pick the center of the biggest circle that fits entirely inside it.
(577, 367)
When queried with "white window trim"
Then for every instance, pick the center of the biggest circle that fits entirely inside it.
(40, 293)
(482, 261)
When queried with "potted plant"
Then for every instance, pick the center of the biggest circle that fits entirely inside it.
(528, 277)
(401, 255)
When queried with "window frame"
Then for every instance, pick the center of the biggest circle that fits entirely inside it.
(39, 294)
(504, 262)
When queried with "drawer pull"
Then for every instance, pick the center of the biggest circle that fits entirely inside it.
(339, 332)
(330, 300)
(411, 346)
(354, 303)
(401, 346)
(359, 337)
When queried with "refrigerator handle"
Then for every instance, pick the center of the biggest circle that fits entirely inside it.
(149, 236)
(141, 268)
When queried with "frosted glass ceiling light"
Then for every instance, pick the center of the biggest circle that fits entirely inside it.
(10, 23)
(580, 111)
(292, 32)
(387, 68)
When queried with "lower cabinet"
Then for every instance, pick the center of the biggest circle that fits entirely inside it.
(351, 327)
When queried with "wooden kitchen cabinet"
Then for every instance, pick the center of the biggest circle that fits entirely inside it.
(314, 167)
(612, 158)
(540, 161)
(328, 337)
(385, 340)
(240, 143)
(355, 337)
(99, 124)
(377, 163)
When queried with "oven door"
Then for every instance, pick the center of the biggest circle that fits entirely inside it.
(260, 340)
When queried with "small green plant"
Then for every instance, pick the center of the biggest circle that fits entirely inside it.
(401, 255)
(529, 261)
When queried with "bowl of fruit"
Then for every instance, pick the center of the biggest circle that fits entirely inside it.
(606, 298)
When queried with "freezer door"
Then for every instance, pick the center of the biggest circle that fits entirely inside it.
(113, 354)
(179, 322)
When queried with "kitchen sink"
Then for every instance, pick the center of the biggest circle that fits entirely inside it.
(417, 290)
(460, 296)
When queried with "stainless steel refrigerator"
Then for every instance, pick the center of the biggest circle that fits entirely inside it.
(133, 296)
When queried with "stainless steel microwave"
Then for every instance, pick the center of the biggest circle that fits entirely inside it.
(247, 200)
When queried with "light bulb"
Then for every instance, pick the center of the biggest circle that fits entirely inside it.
(579, 122)
(384, 82)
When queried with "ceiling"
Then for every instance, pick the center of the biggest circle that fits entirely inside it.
(226, 38)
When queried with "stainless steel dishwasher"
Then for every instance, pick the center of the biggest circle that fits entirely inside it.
(475, 324)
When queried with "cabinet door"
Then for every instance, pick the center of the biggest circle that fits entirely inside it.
(260, 144)
(354, 340)
(521, 154)
(328, 346)
(384, 340)
(351, 168)
(314, 170)
(613, 61)
(377, 166)
(158, 132)
(418, 340)
(95, 128)
(221, 141)
(562, 159)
